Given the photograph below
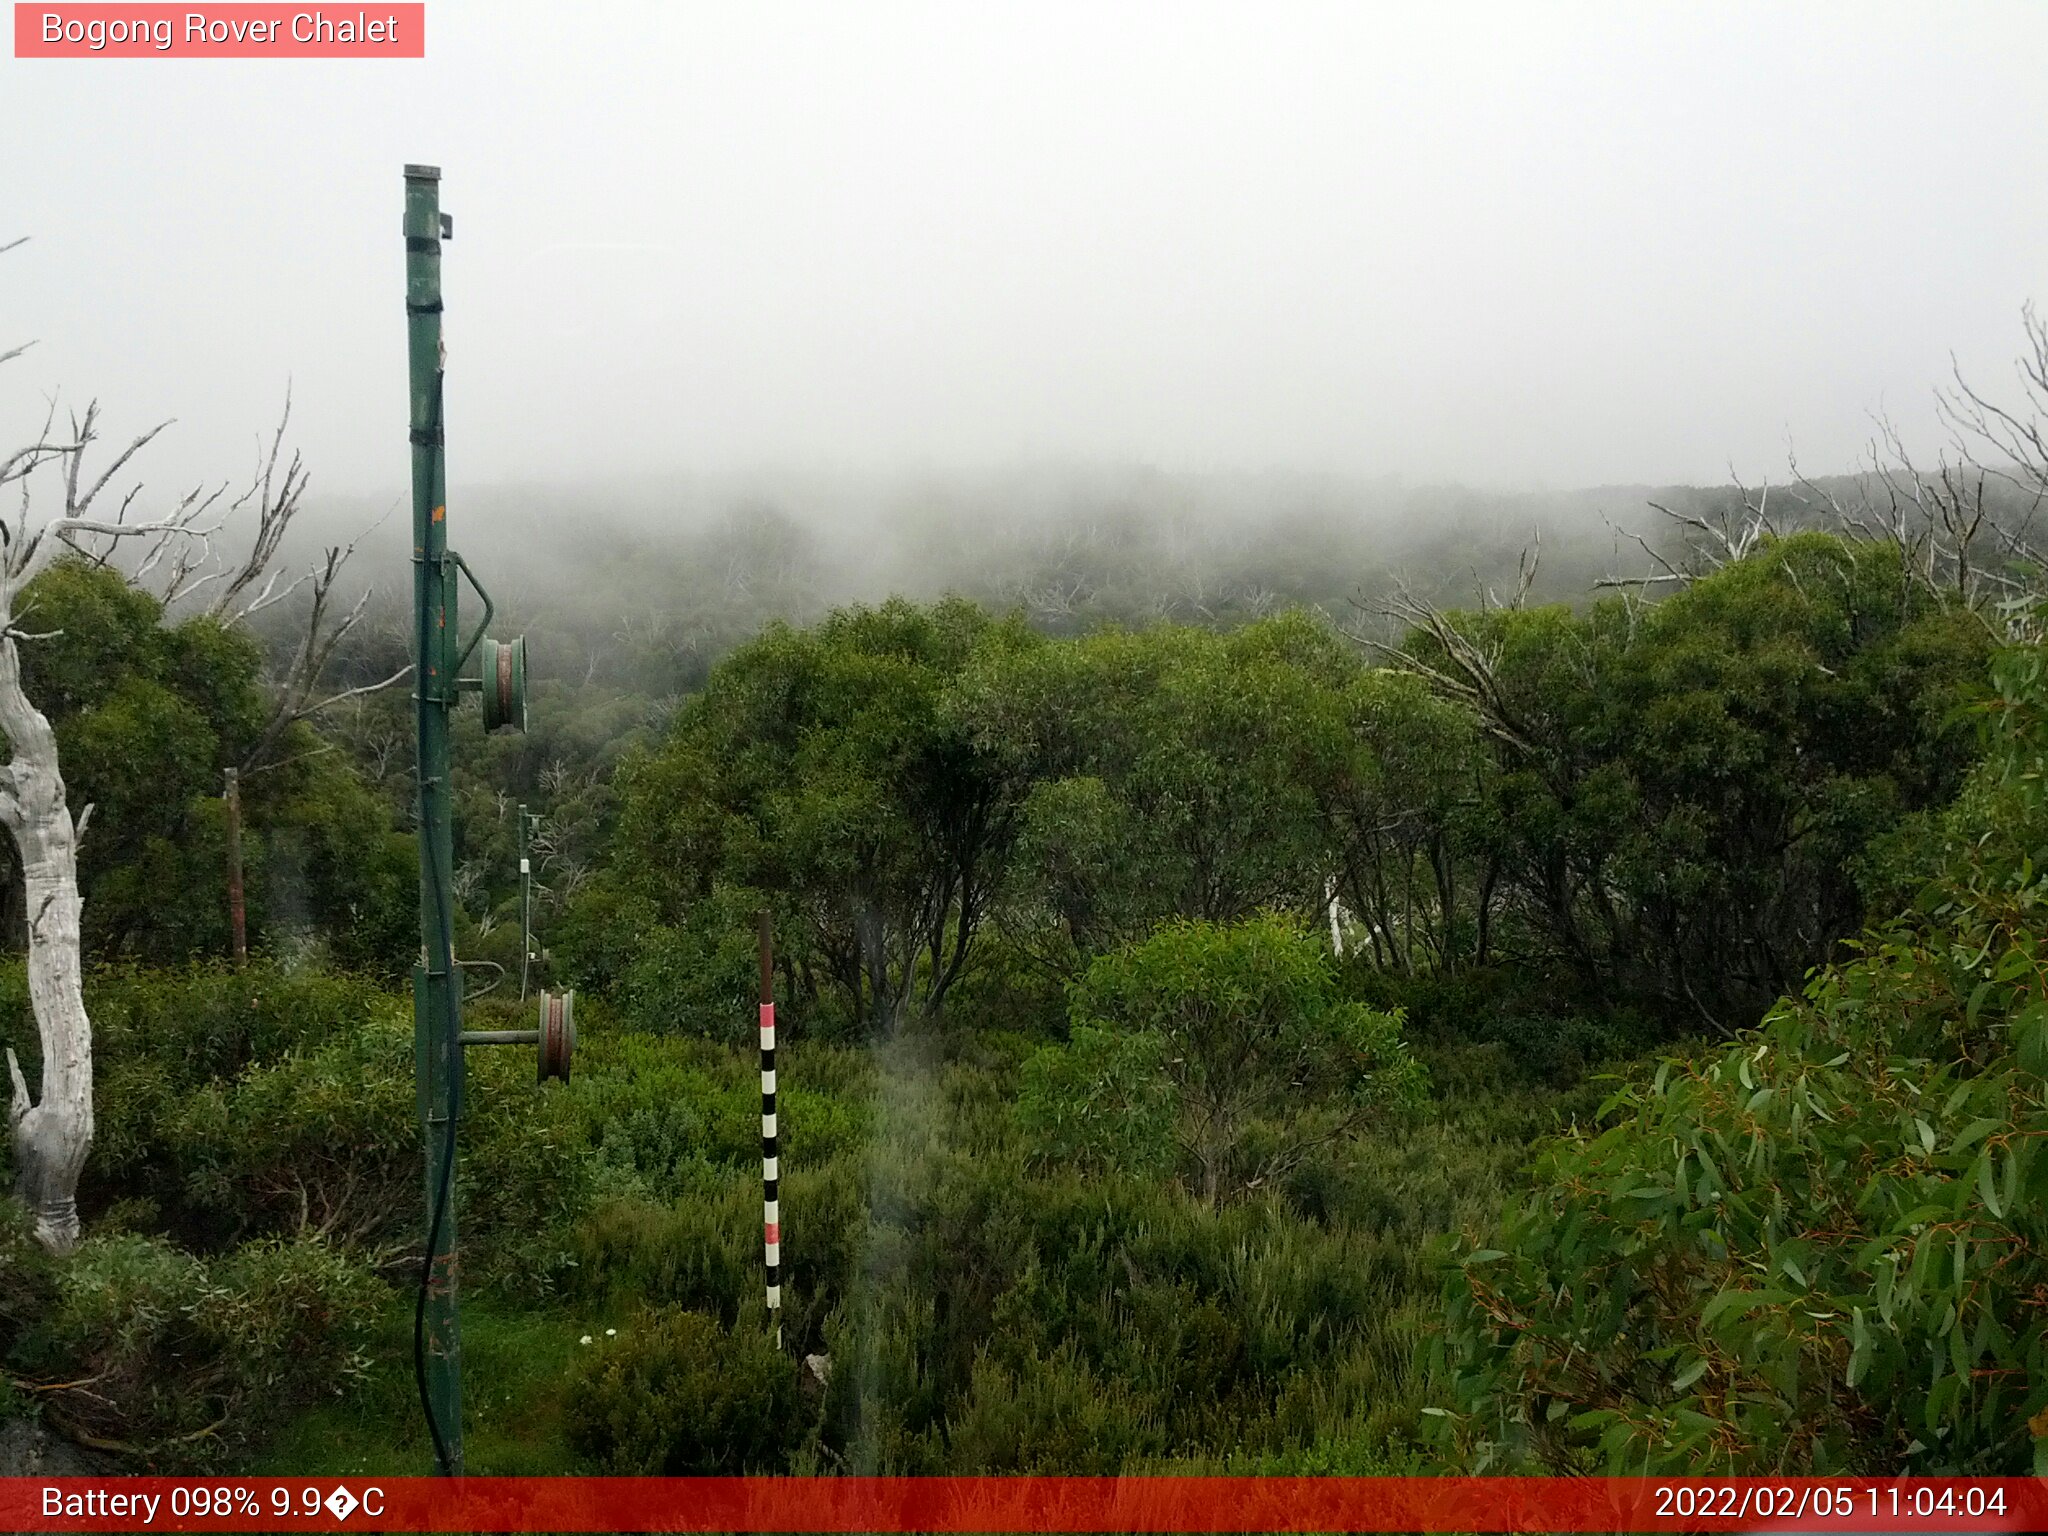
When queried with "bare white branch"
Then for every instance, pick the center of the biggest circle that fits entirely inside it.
(20, 1103)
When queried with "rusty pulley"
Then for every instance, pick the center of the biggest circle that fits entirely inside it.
(555, 1038)
(557, 1034)
(503, 675)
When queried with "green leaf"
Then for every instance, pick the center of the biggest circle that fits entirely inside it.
(1973, 1133)
(2030, 1033)
(1742, 1302)
(1859, 1363)
(1987, 1189)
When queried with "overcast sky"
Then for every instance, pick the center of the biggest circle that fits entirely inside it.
(1519, 244)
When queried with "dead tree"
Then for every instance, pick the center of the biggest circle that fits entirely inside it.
(181, 576)
(173, 557)
(1962, 526)
(53, 1133)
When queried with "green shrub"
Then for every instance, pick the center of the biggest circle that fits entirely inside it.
(701, 1253)
(1222, 1050)
(195, 1357)
(1009, 991)
(232, 1105)
(660, 1115)
(316, 1135)
(1821, 1249)
(526, 1174)
(674, 1394)
(322, 1141)
(28, 1277)
(1198, 1325)
(1052, 1415)
(1560, 1051)
(291, 1320)
(162, 1039)
(700, 976)
(1540, 1024)
(214, 1020)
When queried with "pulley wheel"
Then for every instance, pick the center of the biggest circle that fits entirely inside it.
(503, 666)
(557, 1034)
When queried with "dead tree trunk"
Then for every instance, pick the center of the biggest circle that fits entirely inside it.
(52, 1133)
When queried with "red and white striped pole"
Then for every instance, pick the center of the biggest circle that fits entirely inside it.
(771, 1169)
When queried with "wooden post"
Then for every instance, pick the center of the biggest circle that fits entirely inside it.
(238, 918)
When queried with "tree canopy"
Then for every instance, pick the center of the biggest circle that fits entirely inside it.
(149, 711)
(1220, 1052)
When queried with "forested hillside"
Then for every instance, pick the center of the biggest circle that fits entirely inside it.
(1542, 1035)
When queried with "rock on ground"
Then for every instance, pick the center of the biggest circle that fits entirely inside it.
(29, 1450)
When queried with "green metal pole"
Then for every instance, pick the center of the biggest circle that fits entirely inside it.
(437, 1023)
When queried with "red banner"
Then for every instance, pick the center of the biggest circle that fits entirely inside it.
(990, 1504)
(373, 31)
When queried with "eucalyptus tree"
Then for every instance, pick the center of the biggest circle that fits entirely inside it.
(824, 769)
(1173, 772)
(1688, 792)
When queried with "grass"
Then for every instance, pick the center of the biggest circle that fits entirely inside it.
(514, 1366)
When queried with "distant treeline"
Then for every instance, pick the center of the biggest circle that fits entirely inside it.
(642, 589)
